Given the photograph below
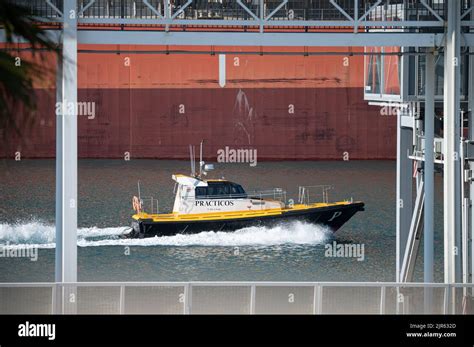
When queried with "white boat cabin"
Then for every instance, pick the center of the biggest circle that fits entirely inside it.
(194, 195)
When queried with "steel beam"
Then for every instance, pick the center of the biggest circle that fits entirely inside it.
(259, 39)
(404, 203)
(59, 175)
(246, 9)
(283, 3)
(181, 9)
(85, 8)
(295, 39)
(152, 9)
(222, 70)
(339, 25)
(66, 144)
(414, 236)
(471, 162)
(451, 141)
(50, 4)
(428, 172)
(459, 165)
(433, 12)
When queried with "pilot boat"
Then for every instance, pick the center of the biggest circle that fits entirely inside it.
(220, 205)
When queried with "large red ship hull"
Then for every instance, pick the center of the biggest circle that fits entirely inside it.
(155, 105)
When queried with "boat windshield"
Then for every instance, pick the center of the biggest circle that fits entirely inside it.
(220, 190)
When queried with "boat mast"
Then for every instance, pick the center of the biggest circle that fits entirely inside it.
(201, 163)
(192, 158)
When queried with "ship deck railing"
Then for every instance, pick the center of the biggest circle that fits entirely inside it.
(308, 195)
(272, 194)
(278, 194)
(236, 298)
(150, 204)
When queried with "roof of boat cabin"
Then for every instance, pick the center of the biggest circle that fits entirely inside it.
(200, 179)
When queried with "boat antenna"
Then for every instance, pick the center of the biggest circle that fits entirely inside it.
(139, 194)
(201, 163)
(193, 164)
(194, 161)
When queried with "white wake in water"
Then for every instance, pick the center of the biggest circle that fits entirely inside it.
(43, 236)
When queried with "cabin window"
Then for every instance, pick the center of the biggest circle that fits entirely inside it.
(236, 189)
(220, 190)
(216, 189)
(201, 192)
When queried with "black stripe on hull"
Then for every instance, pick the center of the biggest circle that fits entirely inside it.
(331, 216)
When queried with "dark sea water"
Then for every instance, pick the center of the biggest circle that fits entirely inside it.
(289, 252)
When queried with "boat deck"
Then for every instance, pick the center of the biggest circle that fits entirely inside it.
(165, 217)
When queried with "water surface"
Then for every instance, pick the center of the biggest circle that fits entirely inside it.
(290, 252)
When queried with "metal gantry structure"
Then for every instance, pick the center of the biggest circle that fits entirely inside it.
(430, 29)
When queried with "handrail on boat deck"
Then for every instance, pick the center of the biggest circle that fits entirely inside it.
(274, 193)
(277, 194)
(153, 203)
(304, 193)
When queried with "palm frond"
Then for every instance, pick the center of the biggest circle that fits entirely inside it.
(17, 81)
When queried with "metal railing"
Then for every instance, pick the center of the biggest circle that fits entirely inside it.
(149, 204)
(235, 298)
(274, 194)
(309, 194)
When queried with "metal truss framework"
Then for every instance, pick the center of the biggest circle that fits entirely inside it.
(374, 15)
(163, 22)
